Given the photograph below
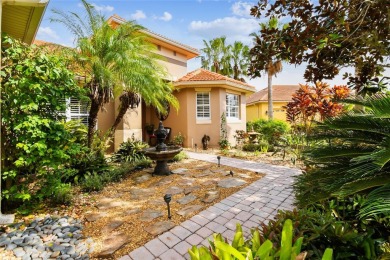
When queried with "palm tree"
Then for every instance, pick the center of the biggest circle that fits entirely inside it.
(115, 62)
(240, 60)
(355, 159)
(264, 55)
(215, 56)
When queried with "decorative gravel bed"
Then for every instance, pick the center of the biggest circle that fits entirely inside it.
(46, 238)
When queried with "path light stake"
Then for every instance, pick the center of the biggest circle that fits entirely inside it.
(196, 147)
(231, 173)
(167, 199)
(219, 161)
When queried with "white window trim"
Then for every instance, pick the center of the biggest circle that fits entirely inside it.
(202, 120)
(69, 114)
(230, 119)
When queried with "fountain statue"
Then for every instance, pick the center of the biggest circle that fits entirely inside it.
(162, 153)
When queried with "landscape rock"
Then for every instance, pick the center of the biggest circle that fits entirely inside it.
(142, 178)
(190, 189)
(112, 243)
(174, 190)
(111, 226)
(91, 217)
(159, 227)
(108, 203)
(211, 196)
(186, 211)
(231, 182)
(150, 214)
(180, 171)
(186, 199)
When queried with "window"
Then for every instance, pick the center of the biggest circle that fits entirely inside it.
(232, 106)
(203, 105)
(77, 110)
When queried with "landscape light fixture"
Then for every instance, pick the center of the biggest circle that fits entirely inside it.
(231, 173)
(219, 161)
(196, 147)
(167, 199)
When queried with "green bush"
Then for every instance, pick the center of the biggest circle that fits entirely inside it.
(261, 147)
(270, 130)
(34, 87)
(180, 156)
(130, 151)
(93, 182)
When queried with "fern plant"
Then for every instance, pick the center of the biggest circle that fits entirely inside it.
(355, 158)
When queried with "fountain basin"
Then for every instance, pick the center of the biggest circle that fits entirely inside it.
(162, 157)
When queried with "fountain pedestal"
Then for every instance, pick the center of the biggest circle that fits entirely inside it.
(162, 153)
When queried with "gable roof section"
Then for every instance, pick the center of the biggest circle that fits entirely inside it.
(21, 18)
(205, 77)
(280, 93)
(159, 39)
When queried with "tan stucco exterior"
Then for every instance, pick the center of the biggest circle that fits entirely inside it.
(259, 111)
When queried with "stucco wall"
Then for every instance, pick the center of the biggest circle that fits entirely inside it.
(259, 110)
(174, 62)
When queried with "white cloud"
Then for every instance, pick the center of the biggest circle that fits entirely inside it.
(138, 15)
(47, 32)
(235, 29)
(166, 17)
(100, 8)
(241, 9)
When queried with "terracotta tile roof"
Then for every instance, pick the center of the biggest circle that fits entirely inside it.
(280, 93)
(206, 75)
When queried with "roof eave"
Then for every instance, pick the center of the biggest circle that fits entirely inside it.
(220, 83)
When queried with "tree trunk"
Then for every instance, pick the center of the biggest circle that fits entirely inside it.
(270, 104)
(122, 111)
(92, 120)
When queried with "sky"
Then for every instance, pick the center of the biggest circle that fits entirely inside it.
(186, 21)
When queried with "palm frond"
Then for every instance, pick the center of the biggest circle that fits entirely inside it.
(377, 203)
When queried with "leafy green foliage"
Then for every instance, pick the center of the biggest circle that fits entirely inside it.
(354, 156)
(223, 142)
(130, 151)
(271, 130)
(261, 147)
(254, 248)
(34, 87)
(336, 34)
(180, 156)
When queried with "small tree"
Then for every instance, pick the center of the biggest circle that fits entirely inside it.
(317, 102)
(34, 140)
(223, 140)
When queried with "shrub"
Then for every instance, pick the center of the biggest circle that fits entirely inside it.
(271, 130)
(180, 156)
(34, 87)
(130, 151)
(92, 182)
(178, 139)
(261, 147)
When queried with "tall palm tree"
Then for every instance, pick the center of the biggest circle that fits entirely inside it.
(264, 57)
(215, 56)
(115, 62)
(240, 60)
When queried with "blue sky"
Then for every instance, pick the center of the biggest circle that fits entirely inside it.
(186, 21)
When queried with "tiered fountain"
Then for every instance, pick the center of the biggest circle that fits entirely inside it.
(162, 153)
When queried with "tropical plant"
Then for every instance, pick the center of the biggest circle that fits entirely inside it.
(315, 103)
(354, 157)
(34, 139)
(216, 56)
(239, 55)
(223, 139)
(130, 151)
(265, 58)
(271, 130)
(115, 61)
(254, 248)
(357, 36)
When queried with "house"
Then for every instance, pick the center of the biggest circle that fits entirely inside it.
(203, 97)
(257, 104)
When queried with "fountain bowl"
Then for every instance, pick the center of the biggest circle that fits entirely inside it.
(162, 157)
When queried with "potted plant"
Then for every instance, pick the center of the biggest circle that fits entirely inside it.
(178, 139)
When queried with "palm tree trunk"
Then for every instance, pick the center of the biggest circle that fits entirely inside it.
(270, 98)
(122, 111)
(92, 120)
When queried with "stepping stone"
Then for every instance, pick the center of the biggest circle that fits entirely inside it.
(180, 171)
(143, 178)
(244, 176)
(108, 203)
(190, 189)
(186, 211)
(149, 170)
(231, 183)
(210, 182)
(219, 171)
(141, 192)
(185, 182)
(205, 173)
(211, 196)
(92, 217)
(158, 202)
(187, 199)
(174, 190)
(111, 226)
(131, 212)
(112, 243)
(150, 214)
(159, 227)
(162, 182)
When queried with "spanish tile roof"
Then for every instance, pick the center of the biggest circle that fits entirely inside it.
(206, 75)
(280, 93)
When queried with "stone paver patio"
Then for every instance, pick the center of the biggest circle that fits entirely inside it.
(252, 205)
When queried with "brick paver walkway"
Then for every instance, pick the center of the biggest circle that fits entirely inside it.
(256, 203)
